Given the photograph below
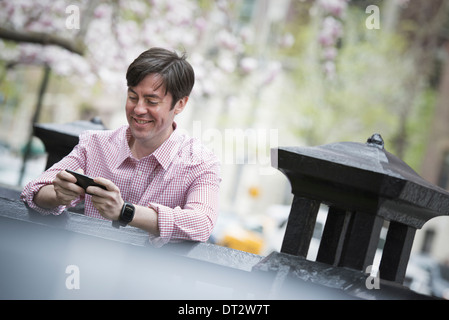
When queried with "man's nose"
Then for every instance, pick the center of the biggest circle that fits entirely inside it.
(140, 108)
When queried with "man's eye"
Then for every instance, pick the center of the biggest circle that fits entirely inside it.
(151, 103)
(132, 98)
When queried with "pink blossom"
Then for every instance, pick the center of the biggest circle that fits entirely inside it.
(287, 41)
(330, 53)
(273, 71)
(330, 32)
(137, 25)
(201, 24)
(227, 40)
(101, 11)
(248, 64)
(329, 69)
(227, 64)
(333, 7)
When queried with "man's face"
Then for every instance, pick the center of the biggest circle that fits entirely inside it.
(149, 113)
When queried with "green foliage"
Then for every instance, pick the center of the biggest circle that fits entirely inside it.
(370, 93)
(418, 128)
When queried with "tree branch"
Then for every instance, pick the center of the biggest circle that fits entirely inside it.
(42, 38)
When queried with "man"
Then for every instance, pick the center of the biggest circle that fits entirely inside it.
(156, 178)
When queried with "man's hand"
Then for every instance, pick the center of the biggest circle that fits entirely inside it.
(65, 188)
(108, 202)
(62, 191)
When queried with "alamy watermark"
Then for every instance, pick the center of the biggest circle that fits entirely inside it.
(372, 281)
(72, 282)
(73, 19)
(237, 146)
(373, 20)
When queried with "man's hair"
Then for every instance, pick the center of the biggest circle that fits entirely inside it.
(177, 75)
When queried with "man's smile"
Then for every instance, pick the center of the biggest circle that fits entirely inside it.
(140, 121)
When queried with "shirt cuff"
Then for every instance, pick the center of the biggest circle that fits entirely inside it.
(27, 196)
(165, 221)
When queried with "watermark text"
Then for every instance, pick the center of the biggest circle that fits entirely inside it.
(372, 281)
(73, 19)
(72, 282)
(373, 20)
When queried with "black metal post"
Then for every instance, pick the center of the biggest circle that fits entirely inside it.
(332, 240)
(396, 251)
(300, 226)
(362, 238)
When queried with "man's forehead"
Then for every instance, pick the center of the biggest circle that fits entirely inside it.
(150, 84)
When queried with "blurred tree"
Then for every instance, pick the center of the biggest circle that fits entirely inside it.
(374, 80)
(112, 33)
(421, 22)
(91, 42)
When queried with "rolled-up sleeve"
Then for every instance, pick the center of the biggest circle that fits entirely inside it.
(73, 161)
(30, 191)
(196, 219)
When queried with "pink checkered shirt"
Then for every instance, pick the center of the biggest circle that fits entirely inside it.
(180, 180)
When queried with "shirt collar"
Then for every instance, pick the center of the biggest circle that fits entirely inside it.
(124, 150)
(164, 154)
(169, 148)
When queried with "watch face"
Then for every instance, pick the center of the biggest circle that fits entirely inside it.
(128, 212)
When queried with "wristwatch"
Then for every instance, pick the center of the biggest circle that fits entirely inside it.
(126, 215)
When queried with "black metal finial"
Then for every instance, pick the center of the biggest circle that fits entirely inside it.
(376, 141)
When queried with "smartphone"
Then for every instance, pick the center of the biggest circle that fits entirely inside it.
(84, 181)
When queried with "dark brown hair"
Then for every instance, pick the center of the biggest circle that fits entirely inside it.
(177, 75)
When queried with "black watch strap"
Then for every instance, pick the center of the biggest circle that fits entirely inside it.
(126, 215)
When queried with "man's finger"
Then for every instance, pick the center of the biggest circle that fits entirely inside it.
(110, 186)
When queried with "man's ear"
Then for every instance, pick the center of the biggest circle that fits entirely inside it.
(180, 105)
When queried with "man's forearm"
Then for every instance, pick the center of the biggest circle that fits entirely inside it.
(146, 219)
(46, 197)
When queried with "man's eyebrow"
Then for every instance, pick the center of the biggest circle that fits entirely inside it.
(152, 96)
(145, 95)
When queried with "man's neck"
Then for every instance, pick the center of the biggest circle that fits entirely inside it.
(142, 148)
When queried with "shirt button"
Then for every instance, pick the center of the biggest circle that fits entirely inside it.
(139, 173)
